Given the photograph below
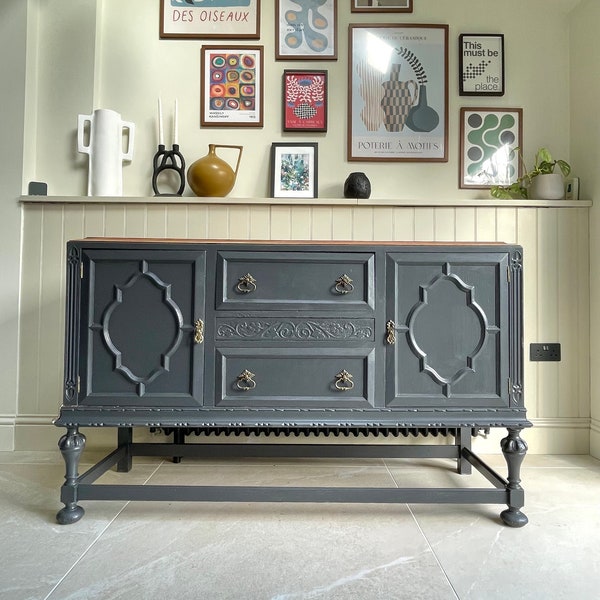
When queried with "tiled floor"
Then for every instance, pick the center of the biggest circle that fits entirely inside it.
(147, 550)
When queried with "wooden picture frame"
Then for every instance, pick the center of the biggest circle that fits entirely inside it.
(231, 86)
(182, 19)
(489, 143)
(302, 34)
(481, 64)
(398, 97)
(381, 6)
(294, 170)
(304, 100)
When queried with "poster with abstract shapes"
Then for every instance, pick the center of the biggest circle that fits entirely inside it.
(294, 170)
(231, 91)
(306, 29)
(481, 64)
(489, 142)
(304, 100)
(398, 100)
(210, 19)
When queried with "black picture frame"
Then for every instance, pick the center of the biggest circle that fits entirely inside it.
(481, 69)
(294, 170)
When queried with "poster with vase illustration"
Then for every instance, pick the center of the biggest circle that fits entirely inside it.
(398, 97)
(305, 29)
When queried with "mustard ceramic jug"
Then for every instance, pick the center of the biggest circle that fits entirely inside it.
(211, 175)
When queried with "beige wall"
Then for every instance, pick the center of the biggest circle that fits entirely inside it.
(13, 37)
(585, 127)
(87, 54)
(120, 63)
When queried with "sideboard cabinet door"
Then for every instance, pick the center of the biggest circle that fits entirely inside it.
(142, 328)
(448, 330)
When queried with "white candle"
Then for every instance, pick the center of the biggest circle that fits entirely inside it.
(175, 124)
(160, 124)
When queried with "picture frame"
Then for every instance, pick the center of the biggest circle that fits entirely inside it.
(398, 97)
(231, 86)
(481, 64)
(302, 34)
(294, 170)
(304, 100)
(489, 142)
(382, 6)
(181, 19)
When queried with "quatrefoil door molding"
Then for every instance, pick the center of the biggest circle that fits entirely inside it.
(436, 290)
(173, 311)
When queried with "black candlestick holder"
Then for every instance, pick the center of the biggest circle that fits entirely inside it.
(168, 160)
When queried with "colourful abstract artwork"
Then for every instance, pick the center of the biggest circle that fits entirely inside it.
(305, 100)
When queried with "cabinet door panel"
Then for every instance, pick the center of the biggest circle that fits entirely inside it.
(138, 340)
(450, 317)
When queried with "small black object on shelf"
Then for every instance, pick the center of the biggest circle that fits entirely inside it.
(357, 185)
(168, 160)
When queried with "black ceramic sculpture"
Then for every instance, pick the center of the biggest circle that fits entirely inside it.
(357, 185)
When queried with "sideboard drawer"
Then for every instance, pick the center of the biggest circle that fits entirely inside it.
(295, 281)
(282, 377)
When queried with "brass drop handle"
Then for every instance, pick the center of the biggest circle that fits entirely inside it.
(343, 381)
(390, 338)
(343, 284)
(245, 381)
(198, 331)
(246, 284)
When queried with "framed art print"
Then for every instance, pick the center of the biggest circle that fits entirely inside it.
(304, 100)
(382, 6)
(481, 64)
(294, 170)
(210, 19)
(490, 139)
(306, 29)
(231, 88)
(398, 97)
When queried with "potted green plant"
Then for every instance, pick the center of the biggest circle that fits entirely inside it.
(541, 182)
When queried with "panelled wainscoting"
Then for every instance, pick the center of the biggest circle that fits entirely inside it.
(554, 236)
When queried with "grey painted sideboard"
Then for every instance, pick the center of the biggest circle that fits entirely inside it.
(282, 338)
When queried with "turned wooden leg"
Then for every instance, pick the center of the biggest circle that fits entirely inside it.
(71, 446)
(514, 449)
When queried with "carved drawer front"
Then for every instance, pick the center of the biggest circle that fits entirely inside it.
(295, 281)
(274, 328)
(142, 328)
(295, 379)
(448, 333)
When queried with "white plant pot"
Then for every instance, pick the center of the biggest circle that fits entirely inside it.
(547, 187)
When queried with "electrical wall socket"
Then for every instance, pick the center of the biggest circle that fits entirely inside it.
(544, 352)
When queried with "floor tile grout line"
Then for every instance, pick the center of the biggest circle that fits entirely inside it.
(433, 553)
(85, 552)
(97, 538)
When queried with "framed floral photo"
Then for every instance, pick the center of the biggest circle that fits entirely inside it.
(231, 87)
(304, 100)
(489, 139)
(210, 19)
(382, 6)
(398, 97)
(305, 30)
(294, 170)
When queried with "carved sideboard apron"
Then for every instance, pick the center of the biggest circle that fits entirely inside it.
(283, 338)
